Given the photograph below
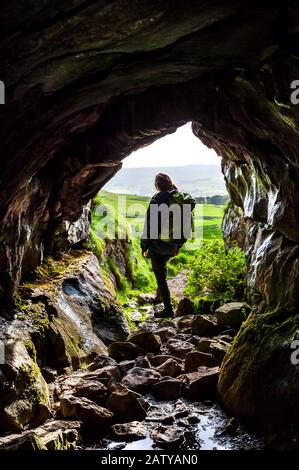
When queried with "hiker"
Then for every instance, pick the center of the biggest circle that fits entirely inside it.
(168, 225)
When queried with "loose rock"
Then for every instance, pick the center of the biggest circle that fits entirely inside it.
(179, 348)
(129, 431)
(122, 351)
(141, 379)
(232, 314)
(169, 368)
(84, 410)
(196, 359)
(184, 307)
(125, 405)
(170, 389)
(204, 325)
(203, 384)
(147, 341)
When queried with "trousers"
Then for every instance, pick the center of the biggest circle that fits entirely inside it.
(159, 264)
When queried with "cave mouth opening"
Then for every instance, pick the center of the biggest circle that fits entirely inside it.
(119, 213)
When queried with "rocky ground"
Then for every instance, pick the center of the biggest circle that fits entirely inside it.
(156, 389)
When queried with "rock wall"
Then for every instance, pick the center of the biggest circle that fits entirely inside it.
(64, 319)
(89, 82)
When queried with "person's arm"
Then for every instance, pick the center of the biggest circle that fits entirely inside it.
(145, 237)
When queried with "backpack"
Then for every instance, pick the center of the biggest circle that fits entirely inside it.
(180, 225)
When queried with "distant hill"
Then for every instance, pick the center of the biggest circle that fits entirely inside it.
(200, 180)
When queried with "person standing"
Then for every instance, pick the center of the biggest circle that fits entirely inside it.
(167, 227)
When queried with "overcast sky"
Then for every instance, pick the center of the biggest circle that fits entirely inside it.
(180, 148)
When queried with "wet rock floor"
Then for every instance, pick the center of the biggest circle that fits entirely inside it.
(182, 425)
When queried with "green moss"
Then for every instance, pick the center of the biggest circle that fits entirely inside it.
(52, 271)
(29, 345)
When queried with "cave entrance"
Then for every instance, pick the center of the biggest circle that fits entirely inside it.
(121, 205)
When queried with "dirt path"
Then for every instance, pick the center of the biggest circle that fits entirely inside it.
(178, 283)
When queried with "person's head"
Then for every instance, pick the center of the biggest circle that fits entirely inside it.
(164, 182)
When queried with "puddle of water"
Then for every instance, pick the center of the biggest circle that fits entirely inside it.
(142, 444)
(206, 435)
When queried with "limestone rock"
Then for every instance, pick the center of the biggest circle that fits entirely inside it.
(168, 437)
(148, 341)
(169, 368)
(84, 410)
(169, 389)
(232, 314)
(122, 351)
(202, 344)
(185, 322)
(101, 361)
(140, 379)
(129, 431)
(165, 333)
(157, 360)
(24, 396)
(185, 307)
(125, 405)
(218, 350)
(179, 348)
(204, 325)
(202, 384)
(92, 389)
(143, 299)
(196, 359)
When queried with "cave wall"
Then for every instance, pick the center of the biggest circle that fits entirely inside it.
(88, 82)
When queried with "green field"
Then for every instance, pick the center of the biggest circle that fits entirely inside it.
(134, 207)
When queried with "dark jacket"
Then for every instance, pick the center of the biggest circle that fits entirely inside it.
(158, 245)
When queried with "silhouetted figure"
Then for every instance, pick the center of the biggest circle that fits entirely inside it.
(168, 225)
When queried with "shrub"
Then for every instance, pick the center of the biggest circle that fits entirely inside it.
(220, 271)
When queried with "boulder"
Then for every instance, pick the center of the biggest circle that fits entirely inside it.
(125, 405)
(184, 307)
(135, 316)
(92, 389)
(141, 379)
(169, 368)
(165, 333)
(26, 441)
(129, 431)
(85, 410)
(232, 314)
(24, 396)
(218, 350)
(125, 366)
(170, 389)
(184, 323)
(109, 375)
(205, 325)
(196, 359)
(122, 351)
(142, 361)
(100, 362)
(178, 347)
(143, 299)
(146, 340)
(157, 360)
(168, 437)
(203, 383)
(202, 344)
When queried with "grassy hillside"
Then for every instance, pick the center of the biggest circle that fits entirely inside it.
(208, 215)
(208, 264)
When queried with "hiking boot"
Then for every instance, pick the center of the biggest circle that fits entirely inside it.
(165, 312)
